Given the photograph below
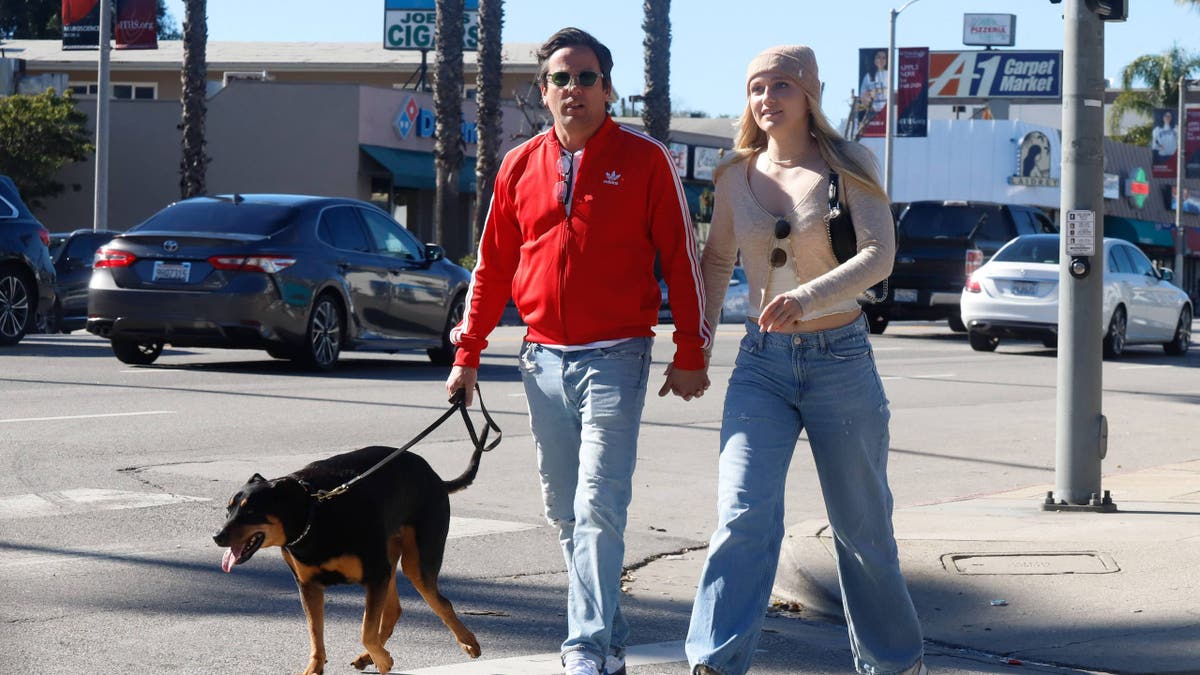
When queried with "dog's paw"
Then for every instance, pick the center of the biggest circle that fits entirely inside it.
(384, 662)
(471, 648)
(315, 667)
(363, 660)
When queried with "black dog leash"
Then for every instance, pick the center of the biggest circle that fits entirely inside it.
(458, 402)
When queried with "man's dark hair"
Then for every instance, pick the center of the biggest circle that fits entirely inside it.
(574, 37)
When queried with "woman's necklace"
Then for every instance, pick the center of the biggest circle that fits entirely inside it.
(784, 163)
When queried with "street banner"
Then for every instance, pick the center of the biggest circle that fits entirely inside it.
(136, 26)
(912, 92)
(912, 95)
(995, 74)
(410, 24)
(872, 91)
(1164, 143)
(80, 24)
(1191, 156)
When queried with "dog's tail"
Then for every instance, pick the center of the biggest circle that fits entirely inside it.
(467, 476)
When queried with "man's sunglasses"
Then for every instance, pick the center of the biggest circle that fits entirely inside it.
(563, 79)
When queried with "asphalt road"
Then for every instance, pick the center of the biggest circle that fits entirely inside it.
(114, 478)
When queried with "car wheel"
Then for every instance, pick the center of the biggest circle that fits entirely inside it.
(323, 339)
(444, 355)
(1114, 339)
(1178, 345)
(876, 323)
(956, 323)
(136, 353)
(981, 342)
(16, 310)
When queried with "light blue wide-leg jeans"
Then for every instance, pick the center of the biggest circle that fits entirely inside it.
(585, 410)
(825, 382)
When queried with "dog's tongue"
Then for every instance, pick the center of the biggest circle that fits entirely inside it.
(228, 560)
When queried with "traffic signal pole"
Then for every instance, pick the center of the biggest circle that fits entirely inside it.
(1081, 429)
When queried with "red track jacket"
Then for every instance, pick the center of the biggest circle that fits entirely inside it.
(587, 276)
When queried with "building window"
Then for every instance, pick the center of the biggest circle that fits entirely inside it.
(120, 90)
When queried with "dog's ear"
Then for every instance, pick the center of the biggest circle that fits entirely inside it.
(257, 478)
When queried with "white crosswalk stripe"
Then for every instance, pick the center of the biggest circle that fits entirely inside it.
(549, 664)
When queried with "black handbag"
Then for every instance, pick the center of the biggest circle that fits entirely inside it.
(839, 228)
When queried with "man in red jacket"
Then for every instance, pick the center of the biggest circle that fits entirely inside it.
(578, 215)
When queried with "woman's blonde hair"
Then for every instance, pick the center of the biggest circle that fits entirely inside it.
(834, 148)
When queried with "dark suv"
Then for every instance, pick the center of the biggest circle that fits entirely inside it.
(26, 273)
(938, 245)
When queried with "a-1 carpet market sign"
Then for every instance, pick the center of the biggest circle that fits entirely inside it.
(995, 74)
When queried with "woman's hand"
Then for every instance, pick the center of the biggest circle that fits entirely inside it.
(780, 314)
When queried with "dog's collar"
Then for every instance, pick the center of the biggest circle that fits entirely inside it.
(312, 507)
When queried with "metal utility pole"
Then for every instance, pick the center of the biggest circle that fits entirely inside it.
(100, 213)
(1081, 429)
(1181, 132)
(890, 113)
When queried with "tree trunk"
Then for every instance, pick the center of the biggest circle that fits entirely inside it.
(447, 104)
(656, 108)
(488, 115)
(195, 83)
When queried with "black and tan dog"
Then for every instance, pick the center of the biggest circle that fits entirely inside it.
(399, 514)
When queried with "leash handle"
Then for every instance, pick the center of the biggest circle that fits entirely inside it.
(457, 403)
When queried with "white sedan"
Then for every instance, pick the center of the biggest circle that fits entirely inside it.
(1015, 295)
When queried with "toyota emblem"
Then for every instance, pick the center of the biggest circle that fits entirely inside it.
(170, 246)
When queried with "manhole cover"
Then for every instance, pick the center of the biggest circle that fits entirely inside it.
(1050, 562)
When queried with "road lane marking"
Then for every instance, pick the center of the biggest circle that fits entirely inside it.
(461, 528)
(550, 664)
(939, 376)
(86, 417)
(84, 500)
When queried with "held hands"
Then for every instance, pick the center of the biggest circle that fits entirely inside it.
(780, 314)
(464, 378)
(687, 384)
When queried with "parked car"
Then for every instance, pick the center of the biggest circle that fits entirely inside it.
(301, 277)
(938, 245)
(26, 273)
(735, 309)
(1015, 295)
(72, 254)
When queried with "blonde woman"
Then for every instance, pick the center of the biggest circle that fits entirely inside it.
(805, 363)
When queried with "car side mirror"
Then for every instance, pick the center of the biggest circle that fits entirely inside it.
(1166, 274)
(433, 252)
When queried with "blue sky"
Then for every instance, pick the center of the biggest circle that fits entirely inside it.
(713, 41)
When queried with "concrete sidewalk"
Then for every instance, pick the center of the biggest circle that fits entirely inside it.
(1114, 592)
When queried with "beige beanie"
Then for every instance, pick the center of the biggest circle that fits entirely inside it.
(795, 61)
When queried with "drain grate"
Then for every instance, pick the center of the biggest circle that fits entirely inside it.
(1039, 562)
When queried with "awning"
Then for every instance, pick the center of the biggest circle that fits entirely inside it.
(412, 169)
(1139, 232)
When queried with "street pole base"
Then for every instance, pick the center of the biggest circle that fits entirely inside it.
(1097, 504)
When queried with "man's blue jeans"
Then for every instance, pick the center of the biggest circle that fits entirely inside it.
(585, 408)
(825, 382)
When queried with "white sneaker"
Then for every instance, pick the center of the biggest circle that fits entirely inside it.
(577, 663)
(614, 665)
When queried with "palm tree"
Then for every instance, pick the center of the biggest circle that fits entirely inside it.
(488, 115)
(195, 76)
(1161, 72)
(447, 105)
(656, 109)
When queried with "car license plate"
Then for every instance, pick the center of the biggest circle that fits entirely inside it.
(172, 271)
(1024, 288)
(905, 295)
